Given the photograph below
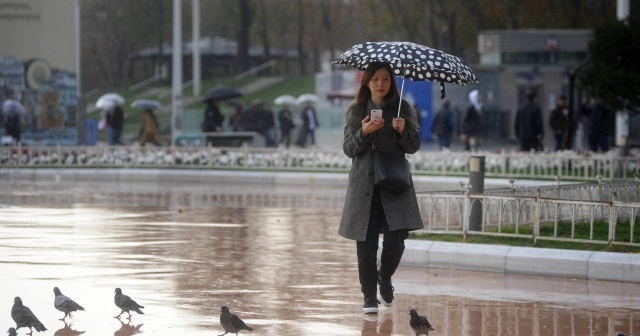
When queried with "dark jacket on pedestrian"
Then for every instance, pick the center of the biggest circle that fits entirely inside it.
(528, 125)
(401, 209)
(442, 124)
(213, 118)
(471, 124)
(115, 118)
(559, 121)
(286, 120)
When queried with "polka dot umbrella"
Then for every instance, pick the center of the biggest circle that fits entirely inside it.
(410, 60)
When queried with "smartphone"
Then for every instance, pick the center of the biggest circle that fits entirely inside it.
(376, 114)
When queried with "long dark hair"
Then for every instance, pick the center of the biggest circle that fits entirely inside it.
(364, 93)
(357, 109)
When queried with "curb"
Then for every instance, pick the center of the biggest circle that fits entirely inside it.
(610, 266)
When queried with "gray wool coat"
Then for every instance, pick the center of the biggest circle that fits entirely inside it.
(401, 209)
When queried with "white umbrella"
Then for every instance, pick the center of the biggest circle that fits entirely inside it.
(109, 100)
(13, 106)
(307, 98)
(285, 100)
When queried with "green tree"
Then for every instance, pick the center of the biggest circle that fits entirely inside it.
(612, 71)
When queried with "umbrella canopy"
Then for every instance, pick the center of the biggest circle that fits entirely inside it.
(307, 98)
(412, 61)
(221, 93)
(11, 106)
(285, 100)
(146, 104)
(109, 100)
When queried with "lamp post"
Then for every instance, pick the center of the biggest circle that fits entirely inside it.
(476, 180)
(195, 25)
(176, 77)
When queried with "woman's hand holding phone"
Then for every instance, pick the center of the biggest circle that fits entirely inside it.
(372, 123)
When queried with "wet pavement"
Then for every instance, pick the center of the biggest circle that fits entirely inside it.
(272, 255)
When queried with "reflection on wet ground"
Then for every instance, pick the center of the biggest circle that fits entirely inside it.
(272, 255)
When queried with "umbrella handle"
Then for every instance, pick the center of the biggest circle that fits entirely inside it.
(401, 91)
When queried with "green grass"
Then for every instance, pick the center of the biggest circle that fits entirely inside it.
(564, 230)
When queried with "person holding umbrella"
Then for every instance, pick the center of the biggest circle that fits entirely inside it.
(370, 210)
(13, 112)
(286, 124)
(115, 121)
(213, 118)
(309, 124)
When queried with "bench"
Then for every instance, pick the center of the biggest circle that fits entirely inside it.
(234, 139)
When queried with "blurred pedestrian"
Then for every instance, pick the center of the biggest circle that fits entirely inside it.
(370, 210)
(601, 121)
(259, 118)
(115, 123)
(528, 125)
(12, 116)
(471, 122)
(559, 122)
(149, 129)
(309, 125)
(235, 122)
(442, 125)
(286, 125)
(213, 118)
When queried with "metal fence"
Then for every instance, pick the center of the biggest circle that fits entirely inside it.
(524, 216)
(564, 165)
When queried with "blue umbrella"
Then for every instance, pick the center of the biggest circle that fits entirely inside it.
(146, 104)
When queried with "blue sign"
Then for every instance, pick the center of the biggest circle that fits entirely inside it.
(91, 132)
(419, 94)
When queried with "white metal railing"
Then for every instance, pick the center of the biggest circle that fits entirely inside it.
(563, 166)
(523, 217)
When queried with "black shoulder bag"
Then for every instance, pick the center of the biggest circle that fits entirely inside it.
(392, 171)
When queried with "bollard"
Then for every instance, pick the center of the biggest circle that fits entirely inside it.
(476, 180)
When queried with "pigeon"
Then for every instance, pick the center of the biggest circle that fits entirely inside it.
(419, 324)
(126, 303)
(64, 304)
(231, 322)
(23, 316)
(12, 332)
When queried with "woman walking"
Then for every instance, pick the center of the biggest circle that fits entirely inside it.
(370, 210)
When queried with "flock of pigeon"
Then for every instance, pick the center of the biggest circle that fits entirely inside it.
(24, 317)
(231, 323)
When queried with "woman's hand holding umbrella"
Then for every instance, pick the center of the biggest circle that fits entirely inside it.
(398, 125)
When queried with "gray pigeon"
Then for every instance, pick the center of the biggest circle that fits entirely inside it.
(23, 317)
(12, 332)
(231, 322)
(419, 324)
(64, 304)
(126, 303)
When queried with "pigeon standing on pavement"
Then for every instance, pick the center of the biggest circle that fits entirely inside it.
(12, 332)
(64, 304)
(23, 316)
(419, 324)
(126, 303)
(231, 322)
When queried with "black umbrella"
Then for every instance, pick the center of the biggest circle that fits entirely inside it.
(221, 93)
(412, 61)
